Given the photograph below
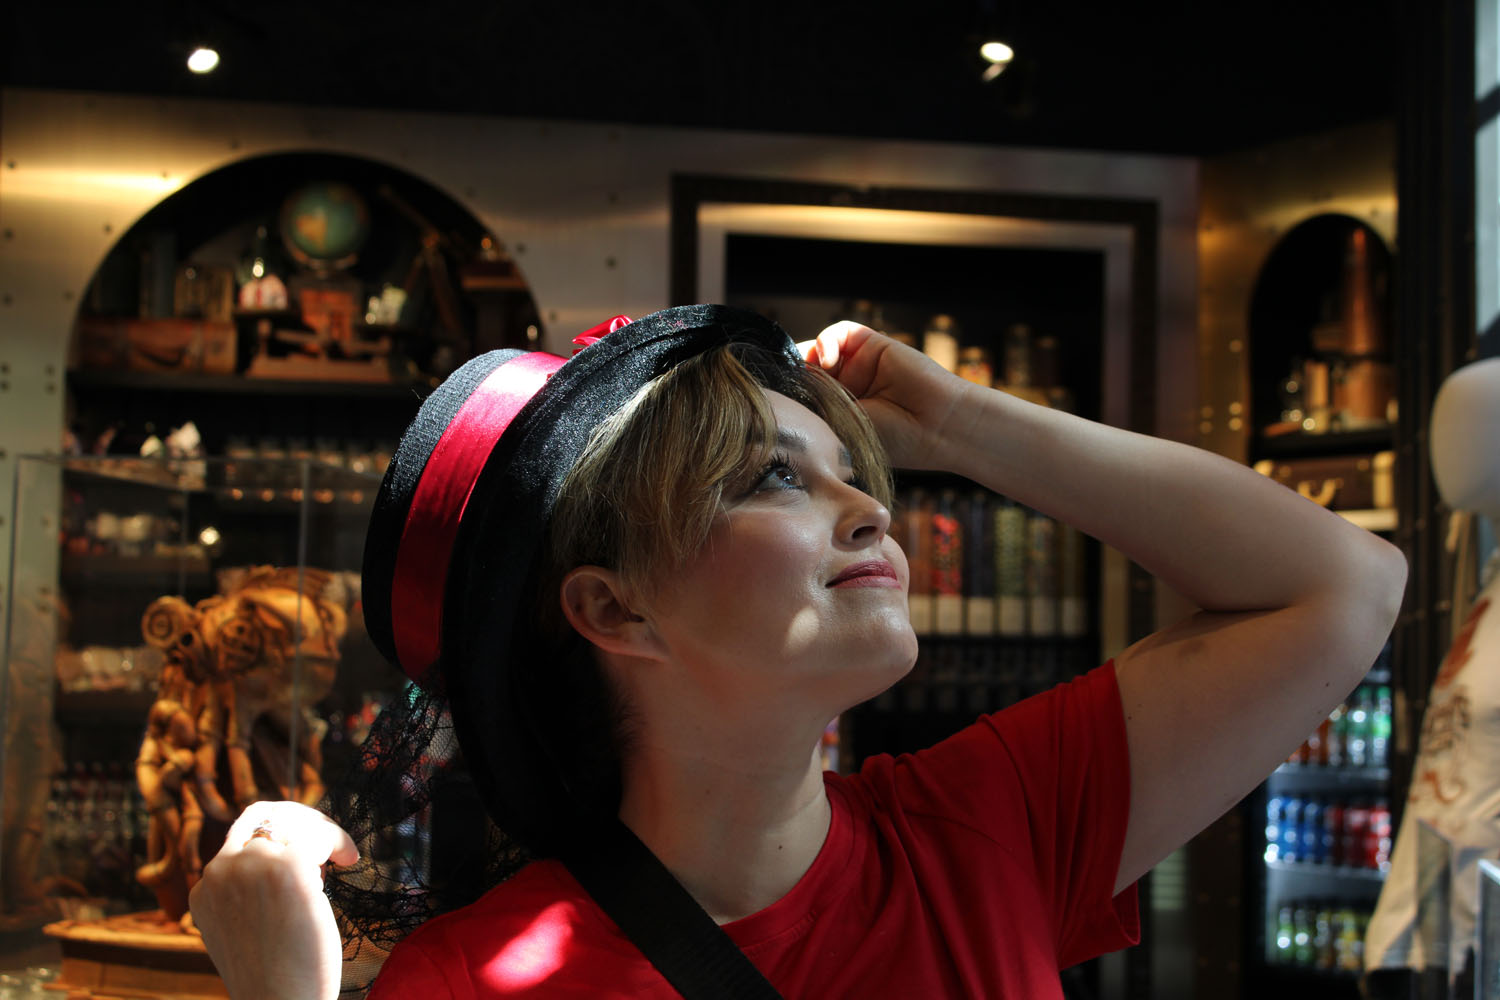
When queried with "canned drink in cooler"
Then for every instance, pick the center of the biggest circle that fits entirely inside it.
(1377, 853)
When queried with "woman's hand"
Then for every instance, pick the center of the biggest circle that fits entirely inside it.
(261, 909)
(910, 398)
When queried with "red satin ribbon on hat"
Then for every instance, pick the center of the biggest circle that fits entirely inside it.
(595, 333)
(437, 505)
(442, 494)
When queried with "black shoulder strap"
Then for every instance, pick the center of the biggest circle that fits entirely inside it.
(666, 923)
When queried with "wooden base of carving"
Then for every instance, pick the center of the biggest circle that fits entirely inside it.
(138, 956)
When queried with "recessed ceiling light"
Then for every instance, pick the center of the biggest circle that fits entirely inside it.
(203, 60)
(997, 52)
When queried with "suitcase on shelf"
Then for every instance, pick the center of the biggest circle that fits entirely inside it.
(1345, 482)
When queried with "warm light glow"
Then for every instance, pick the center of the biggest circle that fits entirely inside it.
(209, 536)
(535, 953)
(997, 52)
(203, 60)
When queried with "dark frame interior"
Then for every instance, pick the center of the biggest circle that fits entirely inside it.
(1140, 216)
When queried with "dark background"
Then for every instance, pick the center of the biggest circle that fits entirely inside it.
(1175, 77)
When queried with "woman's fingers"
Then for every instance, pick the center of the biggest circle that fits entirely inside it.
(292, 828)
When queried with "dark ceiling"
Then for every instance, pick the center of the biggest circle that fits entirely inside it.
(1181, 77)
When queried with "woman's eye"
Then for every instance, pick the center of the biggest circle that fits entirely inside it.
(780, 477)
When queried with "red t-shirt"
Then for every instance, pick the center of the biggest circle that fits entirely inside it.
(976, 868)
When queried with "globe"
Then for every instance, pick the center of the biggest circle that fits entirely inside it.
(324, 224)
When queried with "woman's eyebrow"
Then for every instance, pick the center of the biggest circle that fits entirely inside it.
(794, 440)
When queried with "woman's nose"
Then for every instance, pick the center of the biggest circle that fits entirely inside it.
(865, 519)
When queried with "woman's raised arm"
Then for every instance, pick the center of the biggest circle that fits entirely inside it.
(1296, 601)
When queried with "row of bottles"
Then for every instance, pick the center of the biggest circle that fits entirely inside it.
(1356, 734)
(1319, 934)
(96, 829)
(1319, 831)
(982, 565)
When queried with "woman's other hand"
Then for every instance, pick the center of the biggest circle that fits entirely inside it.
(911, 399)
(261, 909)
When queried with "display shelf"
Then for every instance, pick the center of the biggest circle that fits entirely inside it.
(1381, 519)
(117, 569)
(1339, 873)
(1303, 445)
(91, 708)
(1289, 776)
(90, 379)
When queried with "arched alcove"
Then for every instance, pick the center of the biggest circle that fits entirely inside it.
(462, 295)
(1322, 294)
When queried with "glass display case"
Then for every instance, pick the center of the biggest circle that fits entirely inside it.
(182, 637)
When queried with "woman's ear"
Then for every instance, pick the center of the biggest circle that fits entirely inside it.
(597, 605)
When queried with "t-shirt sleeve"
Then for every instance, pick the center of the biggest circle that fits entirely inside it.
(1050, 777)
(411, 971)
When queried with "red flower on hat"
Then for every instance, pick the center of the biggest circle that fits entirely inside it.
(594, 334)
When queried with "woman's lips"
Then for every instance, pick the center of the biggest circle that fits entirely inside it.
(867, 574)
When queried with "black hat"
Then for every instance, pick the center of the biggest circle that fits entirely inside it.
(459, 525)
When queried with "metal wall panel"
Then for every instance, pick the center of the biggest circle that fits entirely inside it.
(583, 207)
(1251, 200)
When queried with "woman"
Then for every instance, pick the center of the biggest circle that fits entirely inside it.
(763, 598)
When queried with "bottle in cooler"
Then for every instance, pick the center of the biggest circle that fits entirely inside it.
(1357, 742)
(947, 565)
(1377, 853)
(918, 532)
(1311, 831)
(979, 565)
(1350, 945)
(1302, 937)
(1286, 933)
(1291, 830)
(1324, 732)
(1010, 567)
(1275, 806)
(1333, 832)
(1041, 576)
(1325, 955)
(1380, 728)
(1356, 827)
(1338, 731)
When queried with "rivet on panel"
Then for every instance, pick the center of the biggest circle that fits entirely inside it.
(1207, 427)
(51, 387)
(5, 299)
(1206, 412)
(10, 234)
(67, 296)
(108, 229)
(1236, 408)
(50, 369)
(1235, 423)
(1236, 346)
(11, 164)
(609, 262)
(4, 385)
(520, 248)
(4, 367)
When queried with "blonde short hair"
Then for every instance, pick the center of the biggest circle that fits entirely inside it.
(645, 492)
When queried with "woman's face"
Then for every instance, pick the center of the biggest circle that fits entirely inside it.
(798, 590)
